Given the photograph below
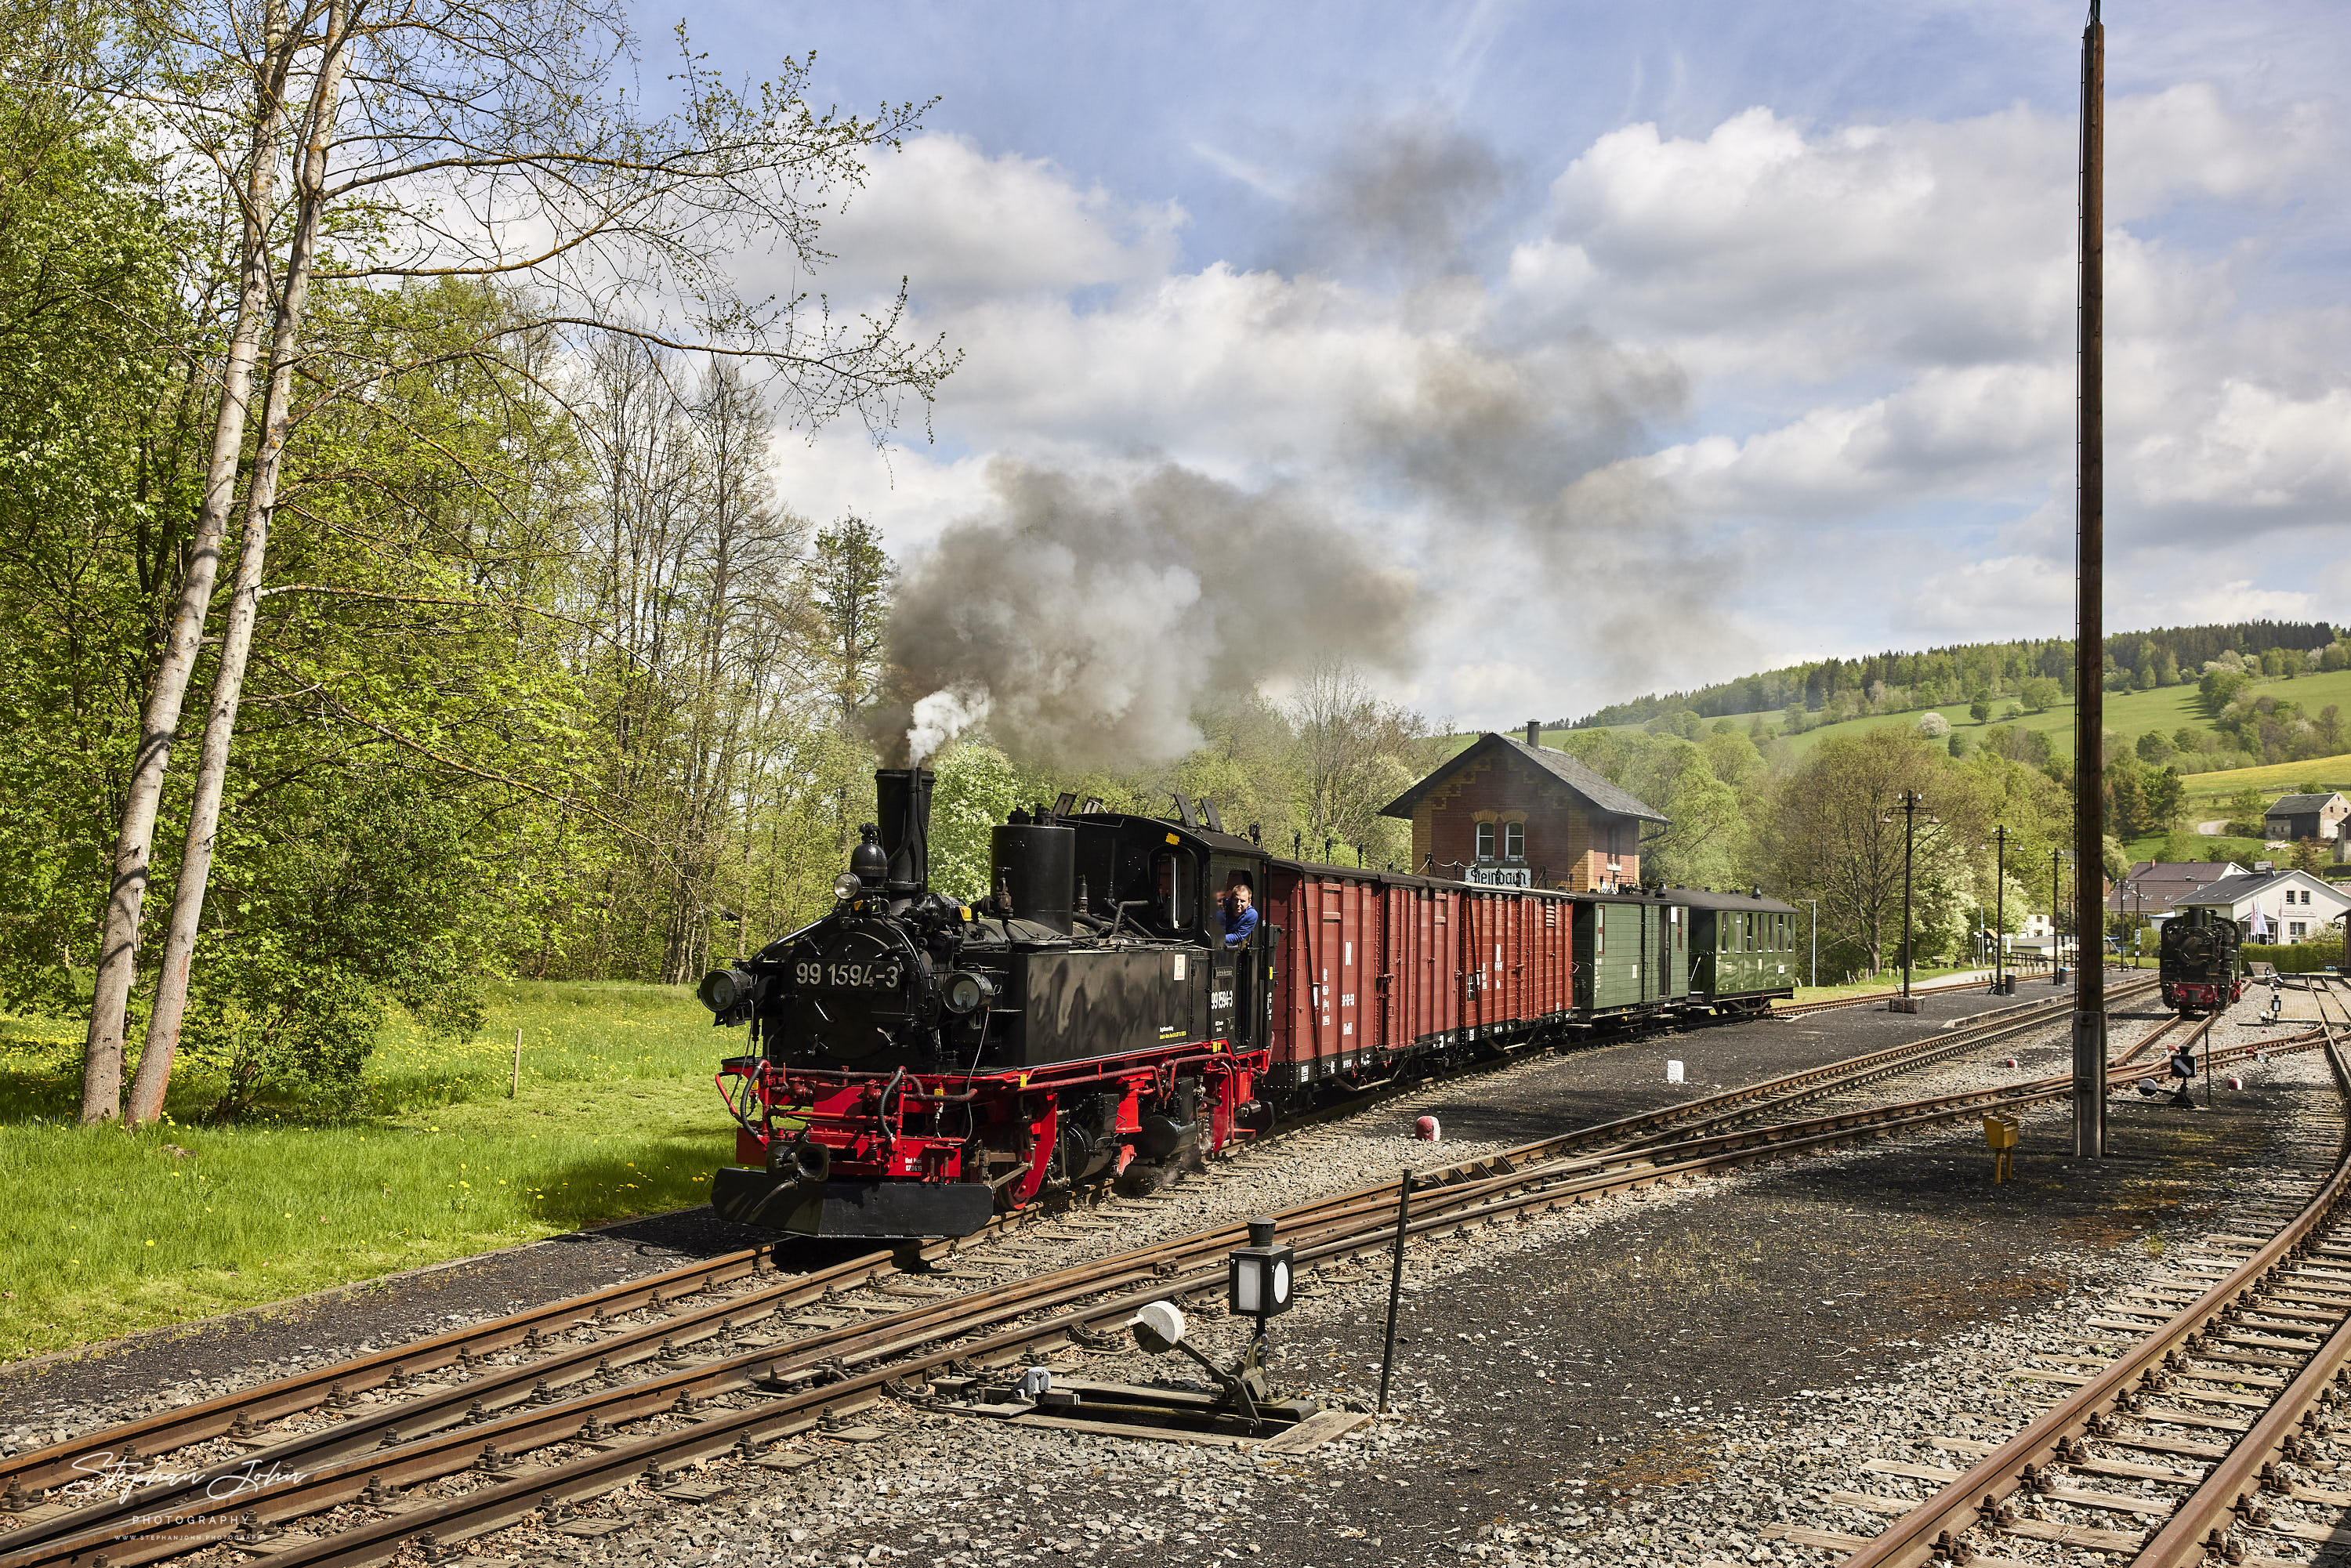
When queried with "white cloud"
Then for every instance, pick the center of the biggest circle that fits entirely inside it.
(962, 225)
(1876, 448)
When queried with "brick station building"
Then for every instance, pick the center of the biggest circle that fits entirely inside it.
(1518, 812)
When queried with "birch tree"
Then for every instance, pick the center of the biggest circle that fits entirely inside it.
(490, 140)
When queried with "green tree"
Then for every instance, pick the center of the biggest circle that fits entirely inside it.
(1707, 841)
(848, 583)
(2246, 810)
(1828, 832)
(2164, 797)
(2217, 689)
(502, 111)
(2125, 799)
(977, 788)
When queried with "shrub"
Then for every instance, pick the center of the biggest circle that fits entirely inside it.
(2294, 957)
(1934, 726)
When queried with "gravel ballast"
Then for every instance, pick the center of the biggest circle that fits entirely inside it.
(1660, 1377)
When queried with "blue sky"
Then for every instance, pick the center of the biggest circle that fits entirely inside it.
(1648, 343)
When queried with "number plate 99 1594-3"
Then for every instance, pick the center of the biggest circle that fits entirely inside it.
(879, 976)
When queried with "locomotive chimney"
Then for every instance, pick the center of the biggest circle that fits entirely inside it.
(903, 795)
(1534, 733)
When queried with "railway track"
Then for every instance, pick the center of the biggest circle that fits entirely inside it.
(2204, 1443)
(626, 1322)
(536, 1414)
(1798, 1009)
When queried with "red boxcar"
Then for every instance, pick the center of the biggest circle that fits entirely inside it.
(1374, 968)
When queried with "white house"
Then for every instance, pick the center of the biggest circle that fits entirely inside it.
(2291, 905)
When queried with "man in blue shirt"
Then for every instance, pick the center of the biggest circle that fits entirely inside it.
(1235, 917)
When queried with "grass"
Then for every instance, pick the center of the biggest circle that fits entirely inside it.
(2278, 778)
(1889, 981)
(103, 1231)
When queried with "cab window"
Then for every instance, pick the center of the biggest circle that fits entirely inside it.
(1171, 873)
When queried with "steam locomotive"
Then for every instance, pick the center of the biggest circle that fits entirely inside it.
(2200, 966)
(918, 1063)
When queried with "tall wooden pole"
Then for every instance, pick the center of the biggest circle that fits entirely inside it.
(2089, 648)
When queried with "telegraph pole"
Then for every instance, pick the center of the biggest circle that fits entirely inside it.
(2000, 914)
(2089, 646)
(1908, 802)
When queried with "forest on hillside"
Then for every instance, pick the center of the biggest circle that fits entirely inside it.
(2035, 672)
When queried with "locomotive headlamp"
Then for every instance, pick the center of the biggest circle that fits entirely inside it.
(723, 990)
(846, 885)
(965, 992)
(1259, 1274)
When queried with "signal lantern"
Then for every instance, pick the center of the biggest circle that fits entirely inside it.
(1260, 1275)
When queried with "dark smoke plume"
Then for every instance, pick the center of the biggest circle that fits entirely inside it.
(1087, 618)
(1405, 196)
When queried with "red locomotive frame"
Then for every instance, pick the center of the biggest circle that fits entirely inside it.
(917, 1127)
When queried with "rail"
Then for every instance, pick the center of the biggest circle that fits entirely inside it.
(1969, 1518)
(370, 1461)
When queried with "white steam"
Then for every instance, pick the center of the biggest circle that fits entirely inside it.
(939, 718)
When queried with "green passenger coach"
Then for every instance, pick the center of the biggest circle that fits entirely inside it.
(1742, 949)
(1632, 952)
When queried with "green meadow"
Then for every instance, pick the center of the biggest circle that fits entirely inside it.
(104, 1231)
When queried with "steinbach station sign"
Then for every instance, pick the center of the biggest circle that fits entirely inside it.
(1498, 875)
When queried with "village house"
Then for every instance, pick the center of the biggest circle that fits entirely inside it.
(1518, 813)
(2284, 906)
(2152, 887)
(2297, 816)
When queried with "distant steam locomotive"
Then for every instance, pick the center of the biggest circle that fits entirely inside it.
(919, 1064)
(2202, 962)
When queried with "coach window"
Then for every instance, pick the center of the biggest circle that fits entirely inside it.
(1485, 841)
(1173, 870)
(1514, 840)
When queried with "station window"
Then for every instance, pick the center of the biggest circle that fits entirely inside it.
(1514, 843)
(1485, 840)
